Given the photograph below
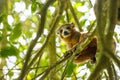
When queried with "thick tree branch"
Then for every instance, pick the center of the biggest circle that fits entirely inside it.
(106, 43)
(99, 67)
(112, 17)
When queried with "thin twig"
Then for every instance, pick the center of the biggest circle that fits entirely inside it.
(37, 65)
(46, 72)
(64, 72)
(10, 70)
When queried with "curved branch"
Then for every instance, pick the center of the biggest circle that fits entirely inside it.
(99, 67)
(33, 42)
(105, 41)
(111, 72)
(53, 24)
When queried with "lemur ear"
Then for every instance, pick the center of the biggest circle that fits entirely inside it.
(72, 25)
(57, 31)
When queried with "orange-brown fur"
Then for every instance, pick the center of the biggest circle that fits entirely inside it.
(73, 38)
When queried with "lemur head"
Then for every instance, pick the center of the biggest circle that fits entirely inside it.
(66, 30)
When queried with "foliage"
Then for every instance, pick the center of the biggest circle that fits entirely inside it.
(26, 29)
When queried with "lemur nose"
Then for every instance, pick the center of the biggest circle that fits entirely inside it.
(66, 33)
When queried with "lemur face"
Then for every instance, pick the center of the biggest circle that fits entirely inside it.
(65, 30)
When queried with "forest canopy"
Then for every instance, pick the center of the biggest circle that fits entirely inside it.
(30, 48)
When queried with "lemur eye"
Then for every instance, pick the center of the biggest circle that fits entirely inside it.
(61, 31)
(67, 27)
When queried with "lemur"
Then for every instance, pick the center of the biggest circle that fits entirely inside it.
(71, 37)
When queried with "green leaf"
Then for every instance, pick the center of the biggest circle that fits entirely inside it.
(9, 51)
(8, 27)
(33, 1)
(70, 68)
(10, 73)
(1, 18)
(34, 7)
(83, 22)
(0, 36)
(78, 4)
(17, 31)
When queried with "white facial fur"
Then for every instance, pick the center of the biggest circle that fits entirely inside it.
(65, 30)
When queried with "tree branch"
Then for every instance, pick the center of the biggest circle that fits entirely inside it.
(47, 71)
(106, 43)
(53, 24)
(68, 55)
(33, 42)
(74, 15)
